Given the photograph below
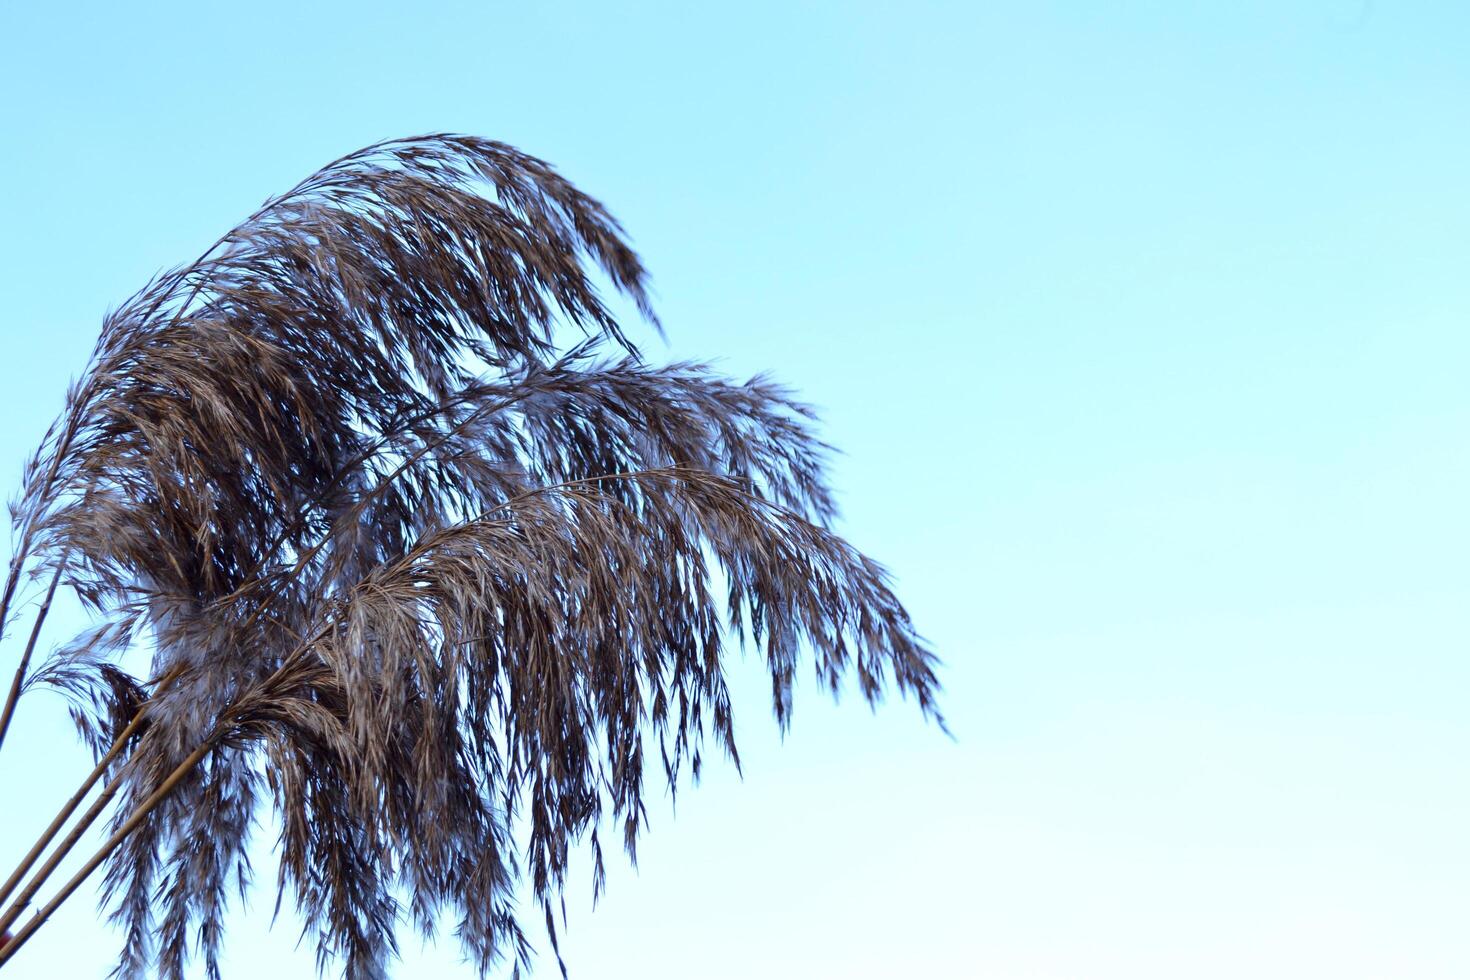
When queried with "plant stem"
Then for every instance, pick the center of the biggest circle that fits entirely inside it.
(137, 817)
(25, 658)
(121, 834)
(23, 900)
(71, 805)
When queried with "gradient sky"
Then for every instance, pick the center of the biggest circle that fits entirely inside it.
(1142, 327)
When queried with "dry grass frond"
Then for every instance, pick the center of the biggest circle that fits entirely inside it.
(433, 586)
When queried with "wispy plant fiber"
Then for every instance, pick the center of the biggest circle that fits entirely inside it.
(438, 567)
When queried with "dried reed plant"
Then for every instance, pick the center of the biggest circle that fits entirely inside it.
(428, 582)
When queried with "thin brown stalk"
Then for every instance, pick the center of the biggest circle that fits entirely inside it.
(64, 814)
(59, 821)
(23, 900)
(18, 681)
(12, 579)
(25, 932)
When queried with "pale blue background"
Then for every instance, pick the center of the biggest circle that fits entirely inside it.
(1144, 329)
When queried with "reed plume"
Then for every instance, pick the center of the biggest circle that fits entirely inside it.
(431, 563)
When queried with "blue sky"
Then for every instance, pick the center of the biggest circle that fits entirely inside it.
(1142, 329)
